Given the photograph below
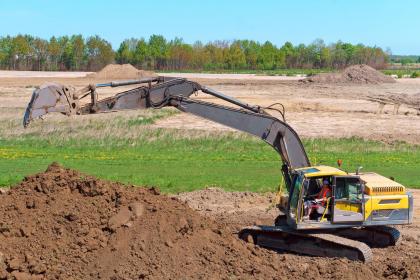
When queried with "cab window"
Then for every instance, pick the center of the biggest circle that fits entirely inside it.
(297, 185)
(348, 188)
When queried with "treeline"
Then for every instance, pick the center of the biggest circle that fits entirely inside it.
(405, 59)
(25, 52)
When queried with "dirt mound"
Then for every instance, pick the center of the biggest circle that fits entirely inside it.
(65, 225)
(358, 74)
(120, 71)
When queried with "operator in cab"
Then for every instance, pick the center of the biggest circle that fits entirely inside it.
(325, 192)
(315, 206)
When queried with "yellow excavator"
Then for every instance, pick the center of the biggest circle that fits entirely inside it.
(327, 211)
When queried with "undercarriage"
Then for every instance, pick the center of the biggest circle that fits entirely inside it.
(351, 243)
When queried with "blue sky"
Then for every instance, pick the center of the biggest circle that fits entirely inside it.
(385, 23)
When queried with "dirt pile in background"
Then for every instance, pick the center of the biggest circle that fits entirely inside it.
(62, 224)
(121, 71)
(359, 74)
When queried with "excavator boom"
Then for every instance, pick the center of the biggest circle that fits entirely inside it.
(162, 92)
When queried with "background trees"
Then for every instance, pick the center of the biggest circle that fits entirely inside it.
(25, 52)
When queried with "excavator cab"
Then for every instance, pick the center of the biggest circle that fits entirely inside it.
(353, 201)
(312, 200)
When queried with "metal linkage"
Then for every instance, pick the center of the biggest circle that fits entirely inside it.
(131, 82)
(253, 108)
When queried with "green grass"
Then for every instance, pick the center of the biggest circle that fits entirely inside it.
(177, 164)
(412, 73)
(276, 72)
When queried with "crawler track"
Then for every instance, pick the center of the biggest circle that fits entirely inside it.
(316, 244)
(375, 236)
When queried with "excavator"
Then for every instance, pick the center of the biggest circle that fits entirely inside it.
(359, 212)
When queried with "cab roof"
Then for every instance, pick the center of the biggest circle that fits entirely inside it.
(321, 170)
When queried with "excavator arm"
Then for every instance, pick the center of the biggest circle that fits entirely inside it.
(161, 92)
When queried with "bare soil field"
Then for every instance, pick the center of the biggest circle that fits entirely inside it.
(321, 110)
(312, 109)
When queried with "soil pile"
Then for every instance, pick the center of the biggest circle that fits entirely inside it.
(358, 74)
(62, 224)
(121, 71)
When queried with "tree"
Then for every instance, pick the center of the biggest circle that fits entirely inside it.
(54, 52)
(99, 52)
(20, 51)
(40, 48)
(338, 55)
(290, 54)
(126, 51)
(212, 56)
(236, 56)
(200, 53)
(180, 54)
(252, 51)
(317, 53)
(268, 55)
(158, 51)
(79, 52)
(325, 57)
(25, 52)
(141, 53)
(6, 52)
(124, 55)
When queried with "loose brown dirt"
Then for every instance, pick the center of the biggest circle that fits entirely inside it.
(353, 74)
(120, 71)
(62, 224)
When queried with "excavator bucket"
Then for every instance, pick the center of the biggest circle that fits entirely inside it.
(50, 97)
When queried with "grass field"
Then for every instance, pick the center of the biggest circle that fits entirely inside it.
(174, 164)
(412, 73)
(276, 72)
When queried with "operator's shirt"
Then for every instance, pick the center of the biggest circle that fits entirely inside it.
(324, 193)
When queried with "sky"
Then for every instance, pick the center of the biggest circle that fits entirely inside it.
(384, 23)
